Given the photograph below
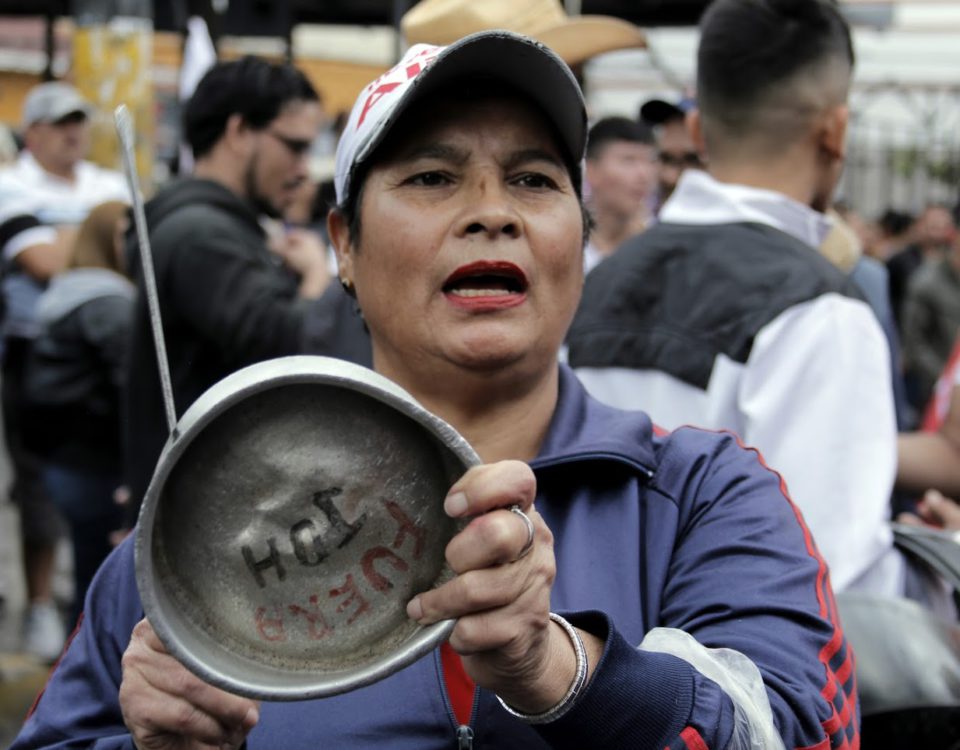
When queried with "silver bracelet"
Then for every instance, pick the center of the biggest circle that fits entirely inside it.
(579, 680)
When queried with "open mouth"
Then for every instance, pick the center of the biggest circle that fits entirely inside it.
(486, 279)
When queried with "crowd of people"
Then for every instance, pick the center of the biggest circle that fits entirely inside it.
(45, 196)
(695, 378)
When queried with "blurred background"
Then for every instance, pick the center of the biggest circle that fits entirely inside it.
(905, 143)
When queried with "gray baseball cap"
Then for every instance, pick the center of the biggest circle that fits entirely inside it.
(53, 101)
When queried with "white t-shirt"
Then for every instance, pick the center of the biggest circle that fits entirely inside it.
(28, 189)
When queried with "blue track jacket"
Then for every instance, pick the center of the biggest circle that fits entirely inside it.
(687, 530)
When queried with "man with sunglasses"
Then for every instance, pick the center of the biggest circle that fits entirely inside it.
(226, 300)
(676, 150)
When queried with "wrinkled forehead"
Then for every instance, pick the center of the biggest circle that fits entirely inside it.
(503, 113)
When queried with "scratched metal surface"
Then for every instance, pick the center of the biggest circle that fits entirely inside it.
(289, 525)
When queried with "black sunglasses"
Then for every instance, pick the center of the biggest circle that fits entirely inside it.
(296, 146)
(688, 159)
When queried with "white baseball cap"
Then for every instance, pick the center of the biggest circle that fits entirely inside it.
(52, 101)
(523, 63)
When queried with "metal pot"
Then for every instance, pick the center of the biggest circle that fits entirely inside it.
(295, 512)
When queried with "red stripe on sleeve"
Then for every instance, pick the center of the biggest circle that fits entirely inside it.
(838, 721)
(692, 739)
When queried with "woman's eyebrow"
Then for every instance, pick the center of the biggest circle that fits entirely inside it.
(440, 151)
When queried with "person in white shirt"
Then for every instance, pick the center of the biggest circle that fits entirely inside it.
(724, 315)
(44, 196)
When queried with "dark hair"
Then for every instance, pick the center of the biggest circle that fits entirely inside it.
(612, 129)
(749, 50)
(893, 222)
(251, 87)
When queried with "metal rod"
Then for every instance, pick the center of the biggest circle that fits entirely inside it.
(124, 124)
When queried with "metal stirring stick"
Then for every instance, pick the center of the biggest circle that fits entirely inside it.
(124, 124)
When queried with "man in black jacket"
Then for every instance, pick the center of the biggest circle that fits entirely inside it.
(226, 300)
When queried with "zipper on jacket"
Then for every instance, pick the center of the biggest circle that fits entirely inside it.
(464, 737)
(464, 733)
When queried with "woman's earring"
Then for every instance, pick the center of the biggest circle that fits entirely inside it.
(346, 284)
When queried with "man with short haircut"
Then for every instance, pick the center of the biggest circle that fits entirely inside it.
(44, 196)
(620, 175)
(226, 300)
(676, 150)
(724, 315)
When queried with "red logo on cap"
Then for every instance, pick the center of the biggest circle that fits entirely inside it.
(378, 93)
(411, 71)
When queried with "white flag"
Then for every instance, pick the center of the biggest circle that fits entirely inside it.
(199, 55)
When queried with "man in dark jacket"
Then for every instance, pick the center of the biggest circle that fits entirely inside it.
(226, 300)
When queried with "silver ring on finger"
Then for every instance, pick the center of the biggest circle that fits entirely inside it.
(528, 545)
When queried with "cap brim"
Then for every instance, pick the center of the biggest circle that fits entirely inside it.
(657, 112)
(83, 109)
(579, 38)
(523, 63)
(68, 107)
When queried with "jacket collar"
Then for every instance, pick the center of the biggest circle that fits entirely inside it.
(583, 429)
(700, 199)
(194, 190)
